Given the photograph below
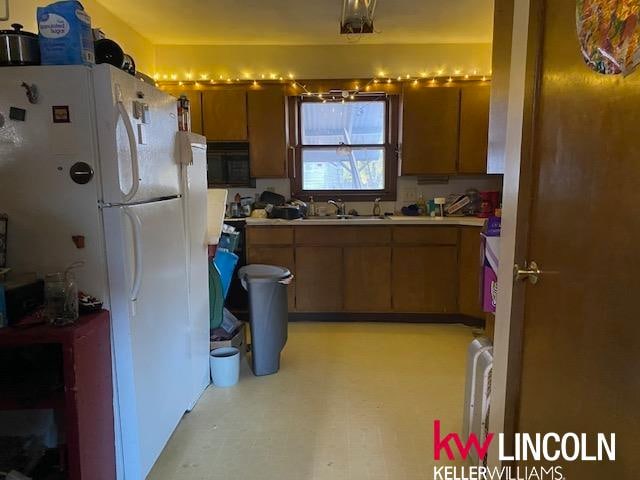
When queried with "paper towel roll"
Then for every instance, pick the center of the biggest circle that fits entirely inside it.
(216, 206)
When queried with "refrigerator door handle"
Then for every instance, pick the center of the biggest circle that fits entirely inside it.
(133, 146)
(136, 225)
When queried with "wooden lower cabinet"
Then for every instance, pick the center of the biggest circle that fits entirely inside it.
(469, 268)
(425, 279)
(278, 256)
(319, 276)
(423, 270)
(367, 279)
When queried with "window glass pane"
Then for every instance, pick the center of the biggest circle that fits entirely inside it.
(344, 168)
(351, 123)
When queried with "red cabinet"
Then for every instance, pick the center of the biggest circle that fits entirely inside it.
(76, 382)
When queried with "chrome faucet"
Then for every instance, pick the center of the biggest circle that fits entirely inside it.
(341, 208)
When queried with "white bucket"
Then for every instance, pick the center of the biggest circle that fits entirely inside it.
(225, 366)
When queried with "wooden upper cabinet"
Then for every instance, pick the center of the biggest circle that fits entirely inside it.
(267, 137)
(224, 112)
(195, 104)
(474, 129)
(430, 121)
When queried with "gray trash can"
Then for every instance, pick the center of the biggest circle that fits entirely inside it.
(268, 314)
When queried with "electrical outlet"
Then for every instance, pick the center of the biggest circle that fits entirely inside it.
(410, 195)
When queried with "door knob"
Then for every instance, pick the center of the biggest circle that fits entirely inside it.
(531, 272)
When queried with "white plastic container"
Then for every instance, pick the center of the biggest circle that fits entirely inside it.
(225, 366)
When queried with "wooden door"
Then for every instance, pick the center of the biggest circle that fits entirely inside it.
(278, 256)
(319, 279)
(424, 279)
(429, 130)
(469, 272)
(224, 112)
(367, 279)
(474, 129)
(267, 127)
(195, 104)
(581, 337)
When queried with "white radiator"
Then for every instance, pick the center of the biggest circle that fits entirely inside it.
(477, 393)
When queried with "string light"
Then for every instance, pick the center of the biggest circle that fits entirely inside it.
(359, 86)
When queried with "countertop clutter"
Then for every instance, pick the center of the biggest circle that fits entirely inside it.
(380, 222)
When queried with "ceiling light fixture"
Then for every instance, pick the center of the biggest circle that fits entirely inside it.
(357, 16)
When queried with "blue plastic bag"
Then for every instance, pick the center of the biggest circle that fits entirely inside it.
(65, 34)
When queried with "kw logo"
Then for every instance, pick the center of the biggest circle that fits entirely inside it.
(464, 449)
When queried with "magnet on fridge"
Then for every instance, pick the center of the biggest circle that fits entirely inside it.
(146, 118)
(142, 134)
(137, 109)
(18, 114)
(61, 114)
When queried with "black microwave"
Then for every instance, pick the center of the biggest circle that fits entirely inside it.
(228, 165)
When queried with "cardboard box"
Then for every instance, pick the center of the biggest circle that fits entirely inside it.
(238, 341)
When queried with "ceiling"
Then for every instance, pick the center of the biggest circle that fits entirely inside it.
(297, 22)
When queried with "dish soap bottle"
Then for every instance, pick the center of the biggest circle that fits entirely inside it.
(421, 204)
(312, 208)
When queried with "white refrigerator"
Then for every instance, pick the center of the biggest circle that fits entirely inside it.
(136, 214)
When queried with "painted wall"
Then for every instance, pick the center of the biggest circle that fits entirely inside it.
(321, 61)
(136, 45)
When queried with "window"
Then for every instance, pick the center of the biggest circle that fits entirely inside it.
(344, 149)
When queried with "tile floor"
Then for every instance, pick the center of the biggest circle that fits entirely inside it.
(351, 402)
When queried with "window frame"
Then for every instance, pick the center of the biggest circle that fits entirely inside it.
(390, 147)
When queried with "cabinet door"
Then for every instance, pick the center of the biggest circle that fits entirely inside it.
(319, 279)
(425, 279)
(267, 137)
(224, 114)
(367, 279)
(469, 273)
(278, 256)
(474, 129)
(430, 130)
(195, 104)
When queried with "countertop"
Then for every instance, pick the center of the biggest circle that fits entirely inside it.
(392, 220)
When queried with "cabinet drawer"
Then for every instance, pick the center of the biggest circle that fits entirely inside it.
(427, 235)
(269, 236)
(339, 235)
